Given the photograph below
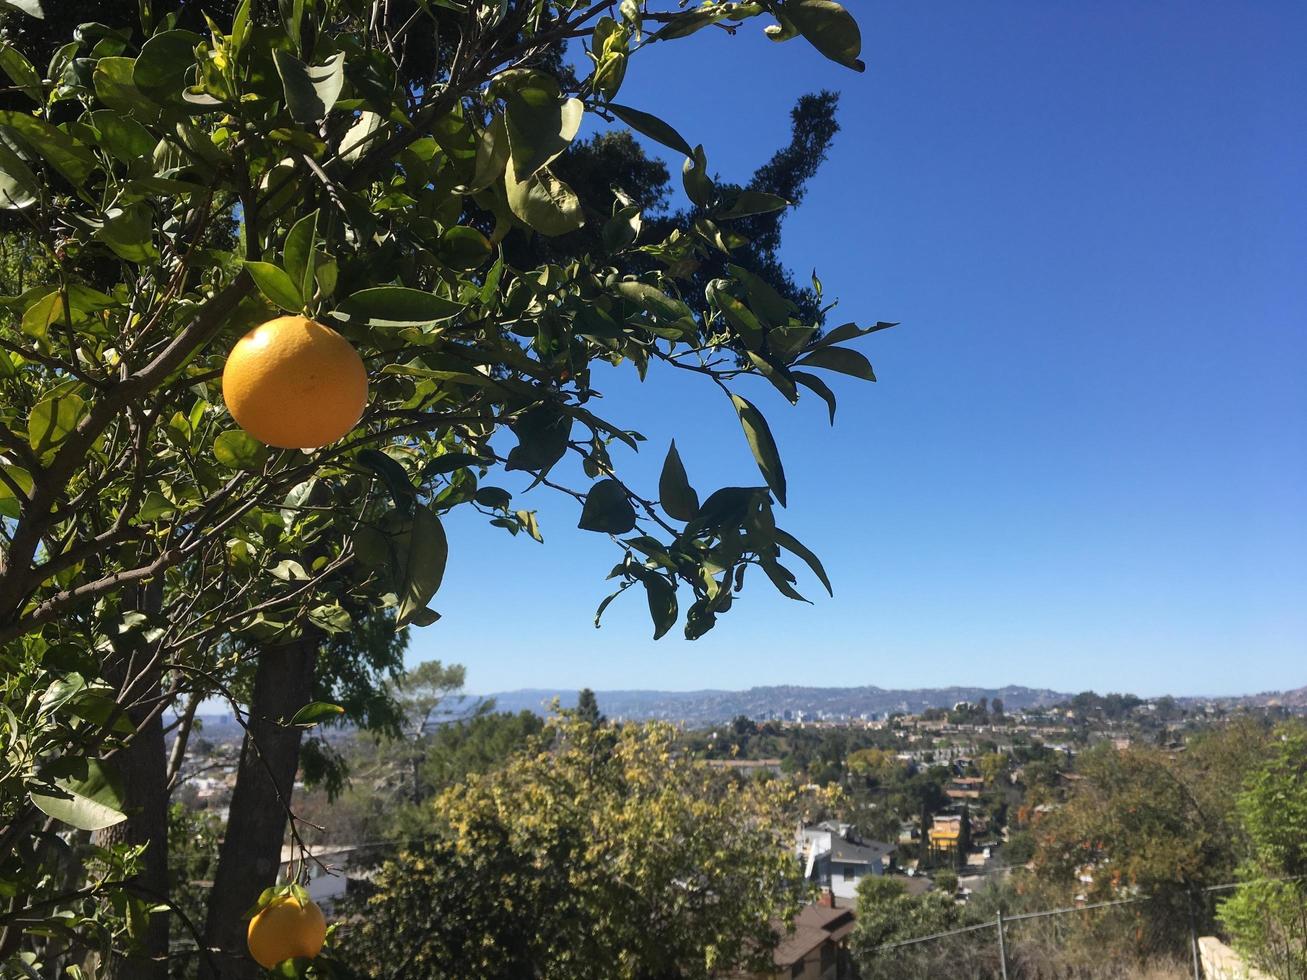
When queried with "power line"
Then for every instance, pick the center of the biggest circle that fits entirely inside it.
(1063, 911)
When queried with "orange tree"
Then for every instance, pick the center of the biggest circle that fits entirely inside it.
(182, 179)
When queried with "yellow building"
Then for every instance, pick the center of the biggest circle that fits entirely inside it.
(945, 832)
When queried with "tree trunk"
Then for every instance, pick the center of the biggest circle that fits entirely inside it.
(142, 765)
(251, 849)
(177, 755)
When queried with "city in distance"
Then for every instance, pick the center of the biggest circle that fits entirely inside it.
(798, 703)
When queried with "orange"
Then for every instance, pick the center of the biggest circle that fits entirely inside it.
(284, 929)
(295, 384)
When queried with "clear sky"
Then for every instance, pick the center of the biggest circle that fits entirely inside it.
(1085, 463)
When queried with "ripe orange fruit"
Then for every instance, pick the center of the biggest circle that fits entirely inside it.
(295, 384)
(285, 929)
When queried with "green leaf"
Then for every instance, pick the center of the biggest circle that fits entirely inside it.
(115, 88)
(776, 374)
(453, 461)
(359, 139)
(665, 310)
(725, 508)
(314, 712)
(607, 509)
(48, 309)
(73, 160)
(662, 603)
(842, 359)
(33, 8)
(790, 543)
(622, 229)
(543, 202)
(237, 450)
(60, 693)
(19, 187)
(694, 175)
(829, 28)
(10, 506)
(299, 496)
(166, 60)
(782, 578)
(850, 331)
(326, 272)
(240, 27)
(21, 72)
(763, 446)
(539, 132)
(754, 202)
(393, 474)
(737, 315)
(92, 801)
(424, 617)
(653, 127)
(771, 307)
(493, 497)
(675, 494)
(276, 285)
(311, 90)
(399, 306)
(608, 601)
(122, 135)
(687, 23)
(298, 254)
(289, 570)
(99, 708)
(492, 156)
(130, 234)
(422, 565)
(542, 435)
(464, 248)
(52, 420)
(530, 524)
(818, 387)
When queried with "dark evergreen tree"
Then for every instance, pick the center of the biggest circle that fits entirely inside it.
(587, 707)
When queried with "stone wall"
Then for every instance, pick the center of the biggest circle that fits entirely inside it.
(1220, 962)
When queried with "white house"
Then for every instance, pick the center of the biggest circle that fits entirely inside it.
(324, 885)
(837, 859)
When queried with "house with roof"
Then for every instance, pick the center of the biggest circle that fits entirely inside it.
(948, 831)
(837, 859)
(814, 946)
(326, 868)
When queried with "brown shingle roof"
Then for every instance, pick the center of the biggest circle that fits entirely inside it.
(798, 944)
(814, 925)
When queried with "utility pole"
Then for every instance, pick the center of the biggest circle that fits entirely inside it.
(1193, 941)
(1002, 945)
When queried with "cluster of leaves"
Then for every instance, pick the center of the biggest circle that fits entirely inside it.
(599, 851)
(888, 915)
(1267, 917)
(181, 179)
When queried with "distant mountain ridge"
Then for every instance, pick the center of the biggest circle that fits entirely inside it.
(709, 706)
(1295, 700)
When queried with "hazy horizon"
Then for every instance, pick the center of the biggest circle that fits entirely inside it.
(896, 687)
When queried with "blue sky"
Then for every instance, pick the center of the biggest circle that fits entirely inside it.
(1085, 462)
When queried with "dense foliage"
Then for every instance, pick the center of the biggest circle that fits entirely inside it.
(599, 852)
(1268, 916)
(177, 175)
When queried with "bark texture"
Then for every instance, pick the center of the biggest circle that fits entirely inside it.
(251, 850)
(142, 765)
